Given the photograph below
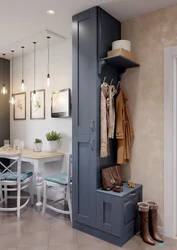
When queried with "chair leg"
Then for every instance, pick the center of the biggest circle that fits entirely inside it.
(18, 199)
(31, 192)
(69, 202)
(1, 193)
(65, 197)
(44, 198)
(5, 194)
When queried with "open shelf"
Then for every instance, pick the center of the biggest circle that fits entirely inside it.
(119, 62)
(126, 190)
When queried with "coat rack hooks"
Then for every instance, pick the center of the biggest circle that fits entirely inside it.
(104, 80)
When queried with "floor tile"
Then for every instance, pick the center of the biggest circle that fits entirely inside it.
(37, 225)
(32, 248)
(11, 225)
(60, 224)
(95, 246)
(84, 238)
(113, 247)
(65, 247)
(9, 248)
(9, 240)
(38, 239)
(63, 237)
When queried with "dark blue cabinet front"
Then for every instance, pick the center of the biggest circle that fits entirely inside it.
(84, 116)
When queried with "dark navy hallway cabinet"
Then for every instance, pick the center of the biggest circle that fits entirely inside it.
(94, 211)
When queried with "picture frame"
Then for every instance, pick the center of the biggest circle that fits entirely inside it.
(37, 107)
(61, 104)
(19, 111)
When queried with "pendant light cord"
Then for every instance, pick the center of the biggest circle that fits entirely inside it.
(22, 63)
(34, 65)
(4, 75)
(12, 69)
(48, 53)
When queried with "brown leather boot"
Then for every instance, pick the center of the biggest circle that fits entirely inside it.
(153, 206)
(144, 210)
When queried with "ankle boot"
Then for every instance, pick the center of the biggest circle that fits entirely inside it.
(153, 206)
(144, 210)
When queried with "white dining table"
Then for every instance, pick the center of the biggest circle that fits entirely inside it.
(38, 159)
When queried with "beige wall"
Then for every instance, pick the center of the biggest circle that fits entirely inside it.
(149, 35)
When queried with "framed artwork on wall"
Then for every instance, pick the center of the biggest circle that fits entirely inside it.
(37, 106)
(20, 106)
(61, 104)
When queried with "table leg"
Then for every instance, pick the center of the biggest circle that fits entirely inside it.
(39, 190)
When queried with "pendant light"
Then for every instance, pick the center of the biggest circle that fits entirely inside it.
(34, 92)
(48, 74)
(22, 82)
(12, 99)
(4, 90)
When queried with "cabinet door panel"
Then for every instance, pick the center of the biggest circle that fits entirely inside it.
(104, 213)
(85, 71)
(83, 79)
(81, 180)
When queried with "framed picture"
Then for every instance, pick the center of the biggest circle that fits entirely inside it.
(61, 104)
(37, 106)
(20, 106)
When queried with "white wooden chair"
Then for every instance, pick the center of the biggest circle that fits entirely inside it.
(63, 180)
(14, 181)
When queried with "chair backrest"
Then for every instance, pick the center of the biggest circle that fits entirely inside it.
(69, 169)
(16, 157)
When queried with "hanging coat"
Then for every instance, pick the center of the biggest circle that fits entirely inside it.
(124, 130)
(104, 121)
(111, 129)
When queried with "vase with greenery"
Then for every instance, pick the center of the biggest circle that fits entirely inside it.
(53, 139)
(37, 145)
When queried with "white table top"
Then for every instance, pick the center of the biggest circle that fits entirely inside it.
(29, 153)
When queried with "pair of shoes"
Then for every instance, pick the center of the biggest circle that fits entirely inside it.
(149, 230)
(131, 185)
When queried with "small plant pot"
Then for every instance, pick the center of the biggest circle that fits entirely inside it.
(53, 146)
(37, 147)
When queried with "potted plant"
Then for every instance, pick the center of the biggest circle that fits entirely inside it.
(53, 139)
(37, 145)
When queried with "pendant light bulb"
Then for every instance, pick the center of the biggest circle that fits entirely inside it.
(4, 91)
(48, 80)
(48, 74)
(34, 96)
(22, 85)
(12, 100)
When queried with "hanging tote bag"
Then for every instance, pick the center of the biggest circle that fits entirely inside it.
(111, 177)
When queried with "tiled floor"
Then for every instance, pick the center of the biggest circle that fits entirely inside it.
(33, 231)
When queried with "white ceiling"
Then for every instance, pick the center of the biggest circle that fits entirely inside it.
(23, 21)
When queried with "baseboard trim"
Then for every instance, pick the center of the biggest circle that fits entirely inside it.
(161, 230)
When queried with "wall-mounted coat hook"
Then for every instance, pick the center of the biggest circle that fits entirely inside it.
(104, 80)
(118, 85)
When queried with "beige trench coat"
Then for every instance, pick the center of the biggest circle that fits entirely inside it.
(124, 130)
(107, 118)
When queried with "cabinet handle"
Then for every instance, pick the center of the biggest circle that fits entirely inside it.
(92, 126)
(91, 144)
(132, 194)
